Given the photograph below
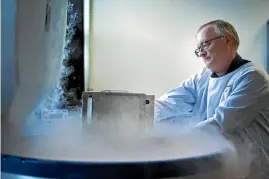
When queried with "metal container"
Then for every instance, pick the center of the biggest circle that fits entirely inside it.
(115, 106)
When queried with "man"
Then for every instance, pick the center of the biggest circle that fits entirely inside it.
(230, 93)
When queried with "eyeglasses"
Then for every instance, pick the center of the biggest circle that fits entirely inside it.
(205, 45)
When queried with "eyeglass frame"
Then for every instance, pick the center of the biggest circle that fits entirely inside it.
(201, 48)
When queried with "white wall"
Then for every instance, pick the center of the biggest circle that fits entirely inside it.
(36, 54)
(147, 45)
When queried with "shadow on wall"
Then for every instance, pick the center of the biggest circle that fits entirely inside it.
(260, 39)
(8, 58)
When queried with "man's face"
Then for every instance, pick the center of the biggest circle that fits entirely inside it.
(213, 49)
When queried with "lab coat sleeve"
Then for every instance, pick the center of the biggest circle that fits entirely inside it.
(247, 98)
(178, 102)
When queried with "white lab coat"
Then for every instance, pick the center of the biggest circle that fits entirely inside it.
(237, 103)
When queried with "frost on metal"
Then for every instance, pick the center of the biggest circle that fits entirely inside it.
(67, 93)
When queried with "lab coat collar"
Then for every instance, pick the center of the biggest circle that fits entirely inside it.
(237, 62)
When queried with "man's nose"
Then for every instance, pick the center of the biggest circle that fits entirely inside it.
(202, 54)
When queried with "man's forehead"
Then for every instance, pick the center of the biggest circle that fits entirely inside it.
(206, 33)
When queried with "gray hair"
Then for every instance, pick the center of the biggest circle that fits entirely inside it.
(223, 28)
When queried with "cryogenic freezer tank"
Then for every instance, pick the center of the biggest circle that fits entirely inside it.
(111, 151)
(119, 152)
(144, 163)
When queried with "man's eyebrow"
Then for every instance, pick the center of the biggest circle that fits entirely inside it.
(202, 42)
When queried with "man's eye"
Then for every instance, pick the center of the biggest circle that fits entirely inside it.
(206, 44)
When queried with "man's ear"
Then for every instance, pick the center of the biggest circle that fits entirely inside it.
(228, 39)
